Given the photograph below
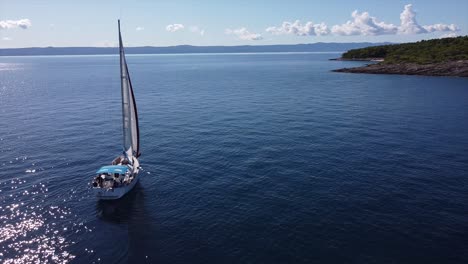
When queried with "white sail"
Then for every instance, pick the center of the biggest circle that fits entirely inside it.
(129, 111)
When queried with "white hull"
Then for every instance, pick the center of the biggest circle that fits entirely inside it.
(115, 193)
(122, 189)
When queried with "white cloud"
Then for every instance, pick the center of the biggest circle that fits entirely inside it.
(243, 34)
(441, 27)
(139, 28)
(21, 23)
(449, 35)
(364, 24)
(196, 29)
(174, 27)
(296, 28)
(409, 25)
(178, 27)
(6, 38)
(321, 29)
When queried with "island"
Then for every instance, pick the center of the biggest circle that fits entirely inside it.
(435, 57)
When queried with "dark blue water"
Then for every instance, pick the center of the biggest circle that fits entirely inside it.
(247, 158)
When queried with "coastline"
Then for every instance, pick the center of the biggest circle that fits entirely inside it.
(452, 68)
(360, 59)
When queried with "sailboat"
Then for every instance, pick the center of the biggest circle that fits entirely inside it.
(115, 180)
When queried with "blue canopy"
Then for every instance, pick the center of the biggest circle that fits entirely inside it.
(113, 169)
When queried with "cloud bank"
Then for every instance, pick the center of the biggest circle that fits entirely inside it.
(21, 23)
(174, 27)
(362, 23)
(243, 34)
(298, 29)
(139, 28)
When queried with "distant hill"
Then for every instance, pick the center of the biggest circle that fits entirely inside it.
(314, 47)
(422, 52)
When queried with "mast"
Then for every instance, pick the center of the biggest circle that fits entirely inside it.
(129, 112)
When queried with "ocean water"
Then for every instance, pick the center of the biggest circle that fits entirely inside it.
(247, 158)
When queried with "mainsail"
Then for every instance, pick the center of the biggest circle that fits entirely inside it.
(131, 134)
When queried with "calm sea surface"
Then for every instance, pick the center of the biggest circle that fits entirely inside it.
(247, 158)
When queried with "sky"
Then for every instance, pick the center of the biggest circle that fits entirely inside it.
(66, 23)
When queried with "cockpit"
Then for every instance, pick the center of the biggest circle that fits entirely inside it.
(112, 176)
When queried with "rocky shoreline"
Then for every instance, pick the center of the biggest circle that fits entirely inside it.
(451, 68)
(354, 59)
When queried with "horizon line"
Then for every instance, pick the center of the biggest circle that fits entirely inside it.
(188, 45)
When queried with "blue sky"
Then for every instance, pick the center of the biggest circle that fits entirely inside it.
(165, 23)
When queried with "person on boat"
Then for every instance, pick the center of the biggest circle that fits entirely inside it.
(98, 181)
(116, 161)
(117, 180)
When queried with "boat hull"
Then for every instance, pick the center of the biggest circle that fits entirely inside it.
(115, 193)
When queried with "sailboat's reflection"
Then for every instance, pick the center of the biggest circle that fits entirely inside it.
(121, 211)
(130, 213)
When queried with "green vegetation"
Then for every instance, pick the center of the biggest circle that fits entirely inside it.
(422, 52)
